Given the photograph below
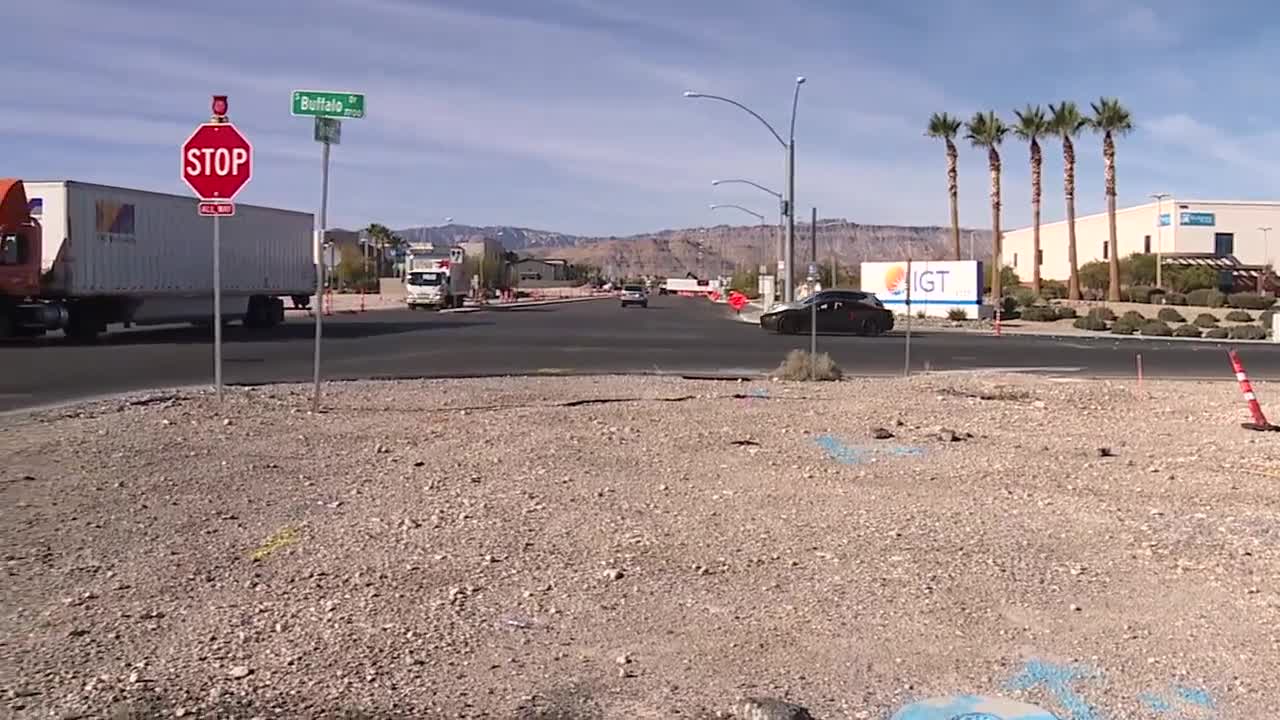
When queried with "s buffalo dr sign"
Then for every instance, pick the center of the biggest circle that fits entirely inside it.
(217, 161)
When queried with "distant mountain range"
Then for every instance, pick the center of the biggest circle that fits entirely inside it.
(704, 250)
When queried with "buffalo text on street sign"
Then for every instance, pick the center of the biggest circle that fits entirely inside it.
(217, 161)
(326, 103)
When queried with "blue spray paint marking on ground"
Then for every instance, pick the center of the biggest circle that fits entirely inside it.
(1057, 680)
(855, 454)
(1156, 704)
(838, 451)
(971, 707)
(1195, 696)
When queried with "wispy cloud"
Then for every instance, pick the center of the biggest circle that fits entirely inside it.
(567, 114)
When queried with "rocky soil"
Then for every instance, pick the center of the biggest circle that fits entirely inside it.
(642, 548)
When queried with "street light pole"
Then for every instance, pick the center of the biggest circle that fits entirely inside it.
(1159, 197)
(789, 146)
(1266, 258)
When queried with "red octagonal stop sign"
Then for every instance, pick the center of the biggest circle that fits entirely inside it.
(217, 161)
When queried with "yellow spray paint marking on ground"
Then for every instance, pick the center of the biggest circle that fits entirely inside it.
(282, 538)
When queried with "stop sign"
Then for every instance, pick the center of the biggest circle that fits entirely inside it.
(217, 161)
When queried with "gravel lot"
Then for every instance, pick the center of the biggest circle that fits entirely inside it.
(508, 548)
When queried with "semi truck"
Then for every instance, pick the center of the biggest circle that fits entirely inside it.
(78, 257)
(435, 277)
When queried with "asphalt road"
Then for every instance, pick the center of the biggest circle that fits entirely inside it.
(674, 335)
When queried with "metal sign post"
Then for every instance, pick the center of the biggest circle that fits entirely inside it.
(327, 132)
(906, 364)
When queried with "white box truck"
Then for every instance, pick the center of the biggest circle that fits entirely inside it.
(77, 256)
(434, 277)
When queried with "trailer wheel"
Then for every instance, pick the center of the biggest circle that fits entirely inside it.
(84, 325)
(7, 323)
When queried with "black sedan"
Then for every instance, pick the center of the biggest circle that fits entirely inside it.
(838, 311)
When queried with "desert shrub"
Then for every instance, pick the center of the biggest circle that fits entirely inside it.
(1174, 298)
(1250, 301)
(1092, 294)
(1064, 312)
(957, 314)
(1218, 333)
(1039, 313)
(1206, 320)
(1024, 296)
(920, 315)
(1155, 328)
(1095, 275)
(1247, 332)
(1206, 297)
(1133, 317)
(1102, 313)
(1123, 327)
(1186, 279)
(1168, 314)
(1053, 290)
(1239, 316)
(798, 366)
(1144, 294)
(1008, 306)
(1090, 322)
(1187, 330)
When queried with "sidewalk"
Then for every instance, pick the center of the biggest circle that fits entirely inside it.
(349, 303)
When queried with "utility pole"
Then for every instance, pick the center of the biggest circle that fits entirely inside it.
(1159, 197)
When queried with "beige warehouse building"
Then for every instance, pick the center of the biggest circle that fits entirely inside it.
(1171, 227)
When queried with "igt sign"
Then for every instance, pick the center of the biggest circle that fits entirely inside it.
(217, 161)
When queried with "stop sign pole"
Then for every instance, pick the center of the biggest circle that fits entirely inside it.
(217, 162)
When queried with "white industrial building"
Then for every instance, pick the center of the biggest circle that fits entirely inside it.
(1222, 234)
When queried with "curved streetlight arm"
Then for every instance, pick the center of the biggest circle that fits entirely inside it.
(748, 182)
(753, 113)
(795, 102)
(752, 213)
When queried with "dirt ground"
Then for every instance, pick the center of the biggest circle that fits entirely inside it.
(643, 548)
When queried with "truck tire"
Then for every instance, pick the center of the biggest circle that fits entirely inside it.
(7, 323)
(84, 325)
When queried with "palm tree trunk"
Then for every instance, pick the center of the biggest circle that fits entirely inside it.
(1035, 216)
(953, 188)
(993, 160)
(1109, 155)
(1069, 188)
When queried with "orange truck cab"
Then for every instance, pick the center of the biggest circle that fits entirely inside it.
(19, 257)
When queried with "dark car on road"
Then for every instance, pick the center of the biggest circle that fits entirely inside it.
(838, 311)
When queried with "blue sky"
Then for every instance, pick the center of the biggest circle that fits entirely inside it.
(567, 114)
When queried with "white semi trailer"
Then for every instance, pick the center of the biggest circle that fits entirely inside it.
(78, 256)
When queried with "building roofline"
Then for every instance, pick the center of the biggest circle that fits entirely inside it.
(1167, 202)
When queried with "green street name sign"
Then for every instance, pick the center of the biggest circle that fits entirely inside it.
(323, 103)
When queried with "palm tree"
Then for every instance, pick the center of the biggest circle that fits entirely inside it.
(945, 127)
(1110, 119)
(1066, 121)
(1031, 126)
(987, 130)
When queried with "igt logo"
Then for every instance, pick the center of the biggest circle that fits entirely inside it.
(926, 281)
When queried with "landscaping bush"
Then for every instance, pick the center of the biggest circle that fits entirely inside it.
(1206, 320)
(1133, 317)
(1206, 297)
(957, 314)
(1145, 294)
(1239, 316)
(1039, 313)
(1218, 333)
(1174, 298)
(1123, 327)
(798, 366)
(1095, 275)
(1090, 322)
(1250, 301)
(1092, 294)
(1008, 306)
(1053, 290)
(1064, 312)
(1155, 328)
(1170, 315)
(1102, 313)
(1247, 332)
(1024, 297)
(1186, 331)
(1186, 279)
(920, 315)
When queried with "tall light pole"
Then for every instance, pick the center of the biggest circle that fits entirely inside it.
(1159, 197)
(752, 213)
(782, 209)
(789, 147)
(1266, 258)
